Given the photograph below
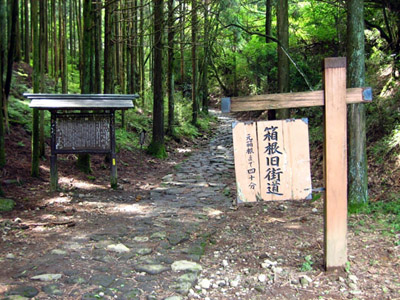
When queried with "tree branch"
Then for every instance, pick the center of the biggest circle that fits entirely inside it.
(274, 39)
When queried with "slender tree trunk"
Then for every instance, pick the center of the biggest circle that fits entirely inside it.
(97, 47)
(157, 146)
(27, 35)
(87, 71)
(78, 9)
(17, 29)
(22, 28)
(195, 105)
(141, 52)
(357, 169)
(42, 58)
(63, 48)
(182, 40)
(10, 60)
(134, 50)
(36, 87)
(3, 14)
(268, 20)
(206, 59)
(235, 81)
(283, 60)
(108, 49)
(117, 52)
(170, 68)
(46, 41)
(71, 30)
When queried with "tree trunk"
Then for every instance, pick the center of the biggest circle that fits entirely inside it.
(55, 45)
(87, 71)
(182, 40)
(97, 47)
(283, 60)
(3, 45)
(108, 49)
(42, 58)
(204, 84)
(170, 66)
(234, 67)
(17, 29)
(268, 20)
(195, 105)
(63, 47)
(36, 87)
(27, 42)
(10, 60)
(357, 166)
(157, 146)
(141, 51)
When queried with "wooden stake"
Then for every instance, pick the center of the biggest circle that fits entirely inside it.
(53, 157)
(335, 163)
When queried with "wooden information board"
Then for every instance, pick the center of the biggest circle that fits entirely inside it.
(272, 160)
(78, 132)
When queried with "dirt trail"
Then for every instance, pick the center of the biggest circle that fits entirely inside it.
(182, 239)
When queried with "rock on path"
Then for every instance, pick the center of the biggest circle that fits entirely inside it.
(154, 248)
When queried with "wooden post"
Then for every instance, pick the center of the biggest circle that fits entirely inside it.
(113, 155)
(53, 157)
(335, 163)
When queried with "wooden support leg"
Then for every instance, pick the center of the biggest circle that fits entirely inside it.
(53, 173)
(113, 162)
(53, 157)
(335, 163)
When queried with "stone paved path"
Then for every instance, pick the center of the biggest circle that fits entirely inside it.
(154, 251)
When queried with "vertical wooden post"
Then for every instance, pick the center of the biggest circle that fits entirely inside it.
(335, 163)
(53, 157)
(113, 155)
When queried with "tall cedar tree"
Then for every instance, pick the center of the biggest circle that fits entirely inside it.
(42, 66)
(10, 58)
(283, 61)
(195, 104)
(182, 21)
(206, 46)
(87, 74)
(27, 43)
(109, 48)
(36, 86)
(357, 169)
(170, 67)
(3, 43)
(157, 146)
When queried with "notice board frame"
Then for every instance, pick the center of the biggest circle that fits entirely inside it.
(82, 108)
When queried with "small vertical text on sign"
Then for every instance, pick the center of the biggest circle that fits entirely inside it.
(246, 161)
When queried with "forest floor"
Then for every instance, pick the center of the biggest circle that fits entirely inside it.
(170, 231)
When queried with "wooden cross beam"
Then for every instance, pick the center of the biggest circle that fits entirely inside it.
(290, 100)
(334, 98)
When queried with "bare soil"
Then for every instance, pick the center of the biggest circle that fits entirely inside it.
(267, 248)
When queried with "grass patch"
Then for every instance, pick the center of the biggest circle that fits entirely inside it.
(386, 213)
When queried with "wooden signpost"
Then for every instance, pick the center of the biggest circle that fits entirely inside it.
(334, 99)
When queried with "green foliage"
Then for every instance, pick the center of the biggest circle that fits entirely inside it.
(383, 128)
(157, 150)
(184, 127)
(126, 140)
(347, 267)
(6, 205)
(307, 264)
(386, 212)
